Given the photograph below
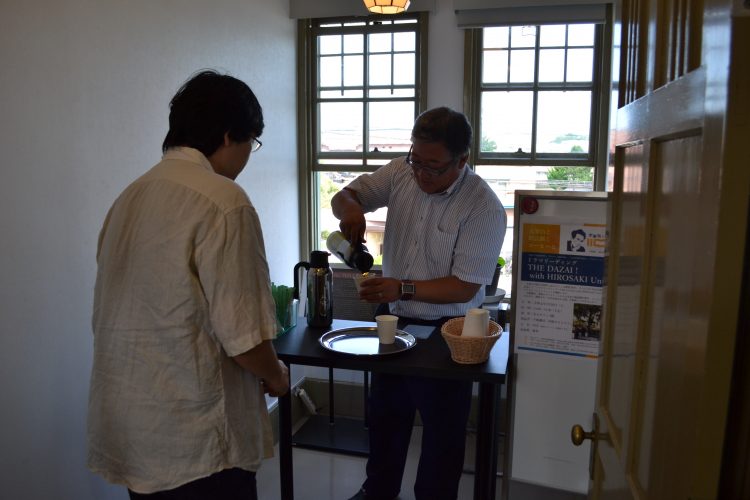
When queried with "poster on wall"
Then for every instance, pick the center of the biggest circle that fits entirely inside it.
(559, 306)
(560, 253)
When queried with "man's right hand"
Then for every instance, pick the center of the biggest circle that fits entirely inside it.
(353, 226)
(261, 361)
(278, 386)
(347, 208)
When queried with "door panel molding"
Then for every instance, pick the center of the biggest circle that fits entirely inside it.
(672, 111)
(680, 200)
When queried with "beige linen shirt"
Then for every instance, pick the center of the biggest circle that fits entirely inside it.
(182, 285)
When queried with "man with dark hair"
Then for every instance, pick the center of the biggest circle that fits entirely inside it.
(183, 312)
(444, 230)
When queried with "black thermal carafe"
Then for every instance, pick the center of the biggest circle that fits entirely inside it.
(319, 289)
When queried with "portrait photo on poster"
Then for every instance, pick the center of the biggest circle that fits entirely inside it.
(577, 241)
(582, 239)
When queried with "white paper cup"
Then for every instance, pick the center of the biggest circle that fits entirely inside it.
(386, 328)
(476, 323)
(359, 278)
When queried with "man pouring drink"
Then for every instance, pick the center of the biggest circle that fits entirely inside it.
(444, 230)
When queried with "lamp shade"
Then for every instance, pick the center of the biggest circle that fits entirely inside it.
(387, 6)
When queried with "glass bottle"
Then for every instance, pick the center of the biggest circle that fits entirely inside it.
(355, 256)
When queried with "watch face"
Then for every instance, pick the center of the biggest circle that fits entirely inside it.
(407, 288)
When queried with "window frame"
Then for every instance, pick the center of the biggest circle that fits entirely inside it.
(473, 89)
(308, 129)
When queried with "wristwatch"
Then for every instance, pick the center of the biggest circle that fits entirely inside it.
(407, 290)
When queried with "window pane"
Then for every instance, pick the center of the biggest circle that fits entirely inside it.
(330, 71)
(329, 44)
(505, 180)
(404, 69)
(564, 122)
(331, 183)
(357, 161)
(380, 70)
(495, 38)
(354, 44)
(391, 93)
(380, 42)
(341, 126)
(580, 65)
(337, 94)
(404, 41)
(523, 36)
(568, 179)
(328, 162)
(552, 65)
(353, 70)
(552, 36)
(495, 66)
(506, 121)
(581, 34)
(521, 66)
(390, 126)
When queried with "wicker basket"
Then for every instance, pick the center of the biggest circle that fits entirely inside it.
(469, 350)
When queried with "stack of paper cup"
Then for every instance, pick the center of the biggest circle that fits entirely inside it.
(476, 323)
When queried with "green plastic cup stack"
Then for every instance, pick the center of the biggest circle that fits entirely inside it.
(286, 314)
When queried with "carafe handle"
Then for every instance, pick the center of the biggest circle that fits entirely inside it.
(306, 265)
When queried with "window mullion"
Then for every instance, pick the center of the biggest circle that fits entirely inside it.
(535, 96)
(341, 59)
(507, 77)
(366, 99)
(393, 60)
(565, 56)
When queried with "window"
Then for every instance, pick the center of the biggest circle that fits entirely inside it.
(535, 94)
(364, 91)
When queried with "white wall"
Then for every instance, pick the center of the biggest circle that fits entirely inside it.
(445, 73)
(84, 90)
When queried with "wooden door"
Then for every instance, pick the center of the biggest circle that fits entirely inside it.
(678, 220)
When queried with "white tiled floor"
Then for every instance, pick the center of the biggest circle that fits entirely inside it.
(331, 476)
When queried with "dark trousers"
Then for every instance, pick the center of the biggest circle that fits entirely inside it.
(229, 484)
(443, 406)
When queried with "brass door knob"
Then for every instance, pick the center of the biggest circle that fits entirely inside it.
(578, 435)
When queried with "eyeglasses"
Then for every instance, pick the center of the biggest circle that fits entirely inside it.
(255, 144)
(430, 172)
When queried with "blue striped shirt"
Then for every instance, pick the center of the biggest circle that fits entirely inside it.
(458, 232)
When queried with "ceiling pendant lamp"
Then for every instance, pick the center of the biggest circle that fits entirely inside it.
(387, 6)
